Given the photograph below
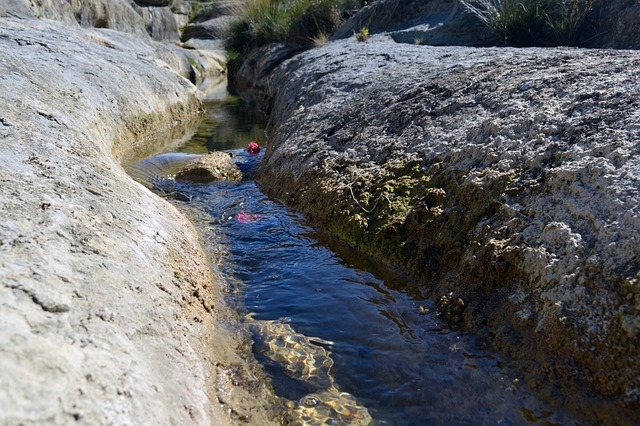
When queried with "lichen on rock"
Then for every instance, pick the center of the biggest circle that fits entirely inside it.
(508, 178)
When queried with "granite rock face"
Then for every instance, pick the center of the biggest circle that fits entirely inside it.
(109, 311)
(507, 178)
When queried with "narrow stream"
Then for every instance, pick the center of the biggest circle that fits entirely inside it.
(346, 341)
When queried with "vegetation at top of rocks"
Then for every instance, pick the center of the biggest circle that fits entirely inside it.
(532, 22)
(565, 18)
(363, 34)
(301, 23)
(198, 9)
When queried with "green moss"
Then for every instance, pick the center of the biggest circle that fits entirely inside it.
(419, 221)
(195, 64)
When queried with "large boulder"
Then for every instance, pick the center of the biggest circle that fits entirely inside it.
(211, 29)
(251, 80)
(505, 180)
(161, 20)
(113, 14)
(212, 20)
(109, 311)
(433, 22)
(608, 24)
(199, 63)
(160, 23)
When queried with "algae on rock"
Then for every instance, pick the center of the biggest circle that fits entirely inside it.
(504, 178)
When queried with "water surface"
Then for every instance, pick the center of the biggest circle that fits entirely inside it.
(389, 350)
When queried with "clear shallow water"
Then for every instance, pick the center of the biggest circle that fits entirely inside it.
(389, 350)
(404, 365)
(227, 124)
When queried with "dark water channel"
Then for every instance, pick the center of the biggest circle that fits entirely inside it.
(388, 351)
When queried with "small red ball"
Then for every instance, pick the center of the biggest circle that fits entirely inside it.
(253, 148)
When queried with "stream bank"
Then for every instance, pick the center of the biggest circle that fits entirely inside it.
(506, 180)
(342, 339)
(110, 312)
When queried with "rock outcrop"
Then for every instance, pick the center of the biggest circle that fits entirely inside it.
(506, 180)
(201, 63)
(109, 311)
(608, 24)
(432, 22)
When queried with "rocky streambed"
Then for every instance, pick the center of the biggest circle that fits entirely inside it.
(506, 180)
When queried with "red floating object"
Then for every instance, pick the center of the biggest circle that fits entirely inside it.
(253, 148)
(244, 217)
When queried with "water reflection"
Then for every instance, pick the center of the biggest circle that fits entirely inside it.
(227, 125)
(388, 349)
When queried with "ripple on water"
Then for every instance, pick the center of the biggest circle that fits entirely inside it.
(404, 365)
(389, 357)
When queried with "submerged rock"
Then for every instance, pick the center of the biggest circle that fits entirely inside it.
(508, 178)
(308, 360)
(209, 168)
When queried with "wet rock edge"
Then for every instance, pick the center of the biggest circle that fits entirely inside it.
(110, 309)
(468, 227)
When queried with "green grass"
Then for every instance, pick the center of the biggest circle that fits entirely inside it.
(301, 23)
(532, 22)
(566, 17)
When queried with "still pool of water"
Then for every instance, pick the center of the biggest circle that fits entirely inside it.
(386, 348)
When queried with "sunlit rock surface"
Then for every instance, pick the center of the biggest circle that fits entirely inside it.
(109, 311)
(508, 178)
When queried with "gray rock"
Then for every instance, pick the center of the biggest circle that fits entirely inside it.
(15, 8)
(211, 20)
(214, 28)
(506, 178)
(204, 11)
(140, 18)
(252, 78)
(610, 24)
(109, 311)
(113, 14)
(209, 168)
(432, 22)
(160, 23)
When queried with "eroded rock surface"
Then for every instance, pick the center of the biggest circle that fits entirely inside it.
(209, 168)
(109, 311)
(200, 63)
(506, 178)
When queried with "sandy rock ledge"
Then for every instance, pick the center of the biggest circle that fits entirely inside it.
(108, 309)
